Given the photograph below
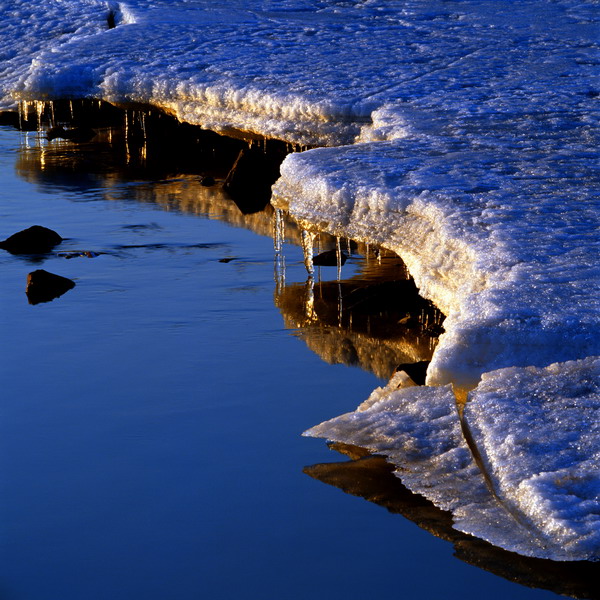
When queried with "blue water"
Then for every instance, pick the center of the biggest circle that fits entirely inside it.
(151, 418)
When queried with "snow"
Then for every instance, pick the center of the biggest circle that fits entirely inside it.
(464, 136)
(550, 472)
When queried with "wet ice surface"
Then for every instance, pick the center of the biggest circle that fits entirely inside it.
(549, 473)
(477, 163)
(536, 434)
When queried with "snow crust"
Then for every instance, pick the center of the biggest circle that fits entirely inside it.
(534, 488)
(471, 132)
(29, 28)
(550, 471)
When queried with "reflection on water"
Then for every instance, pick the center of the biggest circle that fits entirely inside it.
(372, 478)
(375, 320)
(175, 165)
(372, 318)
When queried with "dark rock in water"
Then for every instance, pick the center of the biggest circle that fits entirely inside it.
(34, 240)
(76, 134)
(43, 286)
(226, 260)
(250, 179)
(329, 259)
(77, 254)
(416, 371)
(207, 181)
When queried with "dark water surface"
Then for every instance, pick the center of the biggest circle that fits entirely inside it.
(151, 418)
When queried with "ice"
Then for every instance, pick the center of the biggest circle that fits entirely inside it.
(464, 136)
(28, 28)
(316, 72)
(537, 433)
(538, 490)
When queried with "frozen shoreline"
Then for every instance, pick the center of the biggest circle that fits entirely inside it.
(473, 155)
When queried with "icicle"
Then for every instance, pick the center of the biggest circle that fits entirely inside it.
(278, 241)
(25, 111)
(52, 116)
(142, 116)
(307, 247)
(71, 110)
(39, 110)
(340, 304)
(338, 257)
(144, 148)
(278, 230)
(127, 155)
(21, 116)
(309, 301)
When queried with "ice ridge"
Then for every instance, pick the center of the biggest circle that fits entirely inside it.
(471, 149)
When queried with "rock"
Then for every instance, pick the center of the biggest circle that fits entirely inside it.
(207, 181)
(416, 371)
(34, 240)
(76, 134)
(111, 19)
(329, 259)
(43, 286)
(77, 254)
(249, 181)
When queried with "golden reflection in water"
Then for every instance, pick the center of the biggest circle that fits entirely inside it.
(374, 320)
(371, 477)
(105, 165)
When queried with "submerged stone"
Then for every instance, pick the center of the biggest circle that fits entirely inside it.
(34, 240)
(329, 259)
(416, 371)
(249, 181)
(207, 181)
(43, 286)
(75, 134)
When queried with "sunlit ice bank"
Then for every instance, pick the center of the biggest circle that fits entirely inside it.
(461, 135)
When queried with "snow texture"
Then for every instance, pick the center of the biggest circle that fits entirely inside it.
(537, 491)
(464, 136)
